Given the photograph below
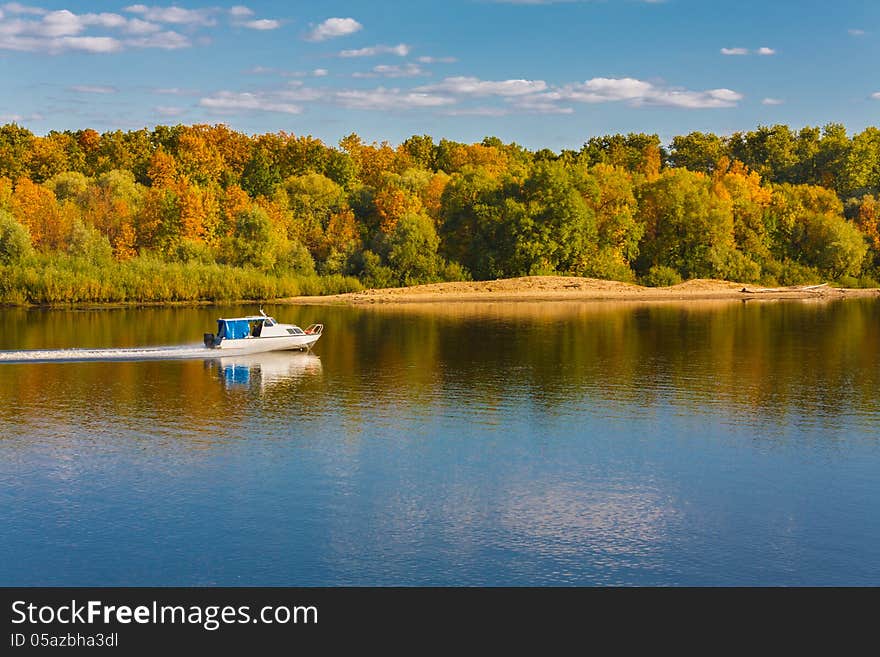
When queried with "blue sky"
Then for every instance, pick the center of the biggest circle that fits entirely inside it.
(543, 74)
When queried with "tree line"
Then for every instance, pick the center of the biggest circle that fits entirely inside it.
(205, 212)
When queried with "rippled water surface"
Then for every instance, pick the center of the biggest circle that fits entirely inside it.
(708, 443)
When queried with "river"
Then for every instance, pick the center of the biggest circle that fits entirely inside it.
(707, 443)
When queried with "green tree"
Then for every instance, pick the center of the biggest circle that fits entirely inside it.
(90, 245)
(15, 148)
(422, 150)
(861, 168)
(627, 151)
(68, 186)
(260, 177)
(688, 227)
(314, 200)
(698, 151)
(15, 241)
(558, 232)
(471, 216)
(412, 250)
(771, 151)
(808, 227)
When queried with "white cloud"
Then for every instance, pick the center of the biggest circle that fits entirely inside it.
(297, 91)
(332, 28)
(535, 105)
(764, 50)
(856, 32)
(393, 71)
(55, 32)
(174, 91)
(137, 26)
(20, 118)
(232, 102)
(876, 95)
(290, 99)
(472, 86)
(18, 8)
(317, 72)
(242, 17)
(261, 24)
(168, 110)
(401, 50)
(61, 23)
(477, 111)
(174, 15)
(92, 89)
(95, 44)
(425, 59)
(59, 45)
(772, 101)
(452, 96)
(389, 99)
(163, 40)
(639, 93)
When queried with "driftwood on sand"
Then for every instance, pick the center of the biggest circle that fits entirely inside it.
(777, 290)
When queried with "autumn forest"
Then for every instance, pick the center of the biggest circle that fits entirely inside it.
(203, 212)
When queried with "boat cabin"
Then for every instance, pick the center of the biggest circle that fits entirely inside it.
(242, 327)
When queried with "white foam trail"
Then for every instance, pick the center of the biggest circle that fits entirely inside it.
(79, 355)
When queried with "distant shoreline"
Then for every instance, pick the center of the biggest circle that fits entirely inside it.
(527, 289)
(569, 288)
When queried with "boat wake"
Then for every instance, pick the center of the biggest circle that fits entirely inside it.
(99, 355)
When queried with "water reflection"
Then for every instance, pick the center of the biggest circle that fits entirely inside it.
(482, 444)
(265, 370)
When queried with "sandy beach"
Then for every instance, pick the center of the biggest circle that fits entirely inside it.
(570, 288)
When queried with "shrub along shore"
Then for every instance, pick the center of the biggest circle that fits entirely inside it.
(55, 281)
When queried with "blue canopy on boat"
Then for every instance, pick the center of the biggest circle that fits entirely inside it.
(232, 329)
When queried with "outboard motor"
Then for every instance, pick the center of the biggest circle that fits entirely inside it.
(209, 340)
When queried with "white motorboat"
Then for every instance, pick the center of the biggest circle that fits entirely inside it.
(249, 335)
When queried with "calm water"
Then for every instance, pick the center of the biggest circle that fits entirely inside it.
(716, 443)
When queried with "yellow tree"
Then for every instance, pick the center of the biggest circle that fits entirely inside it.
(233, 201)
(199, 212)
(341, 235)
(110, 205)
(162, 170)
(371, 160)
(868, 220)
(392, 203)
(615, 207)
(35, 207)
(432, 193)
(192, 211)
(89, 142)
(197, 157)
(734, 181)
(234, 147)
(5, 194)
(47, 157)
(651, 161)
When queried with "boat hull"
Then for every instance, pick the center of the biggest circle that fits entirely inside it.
(252, 345)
